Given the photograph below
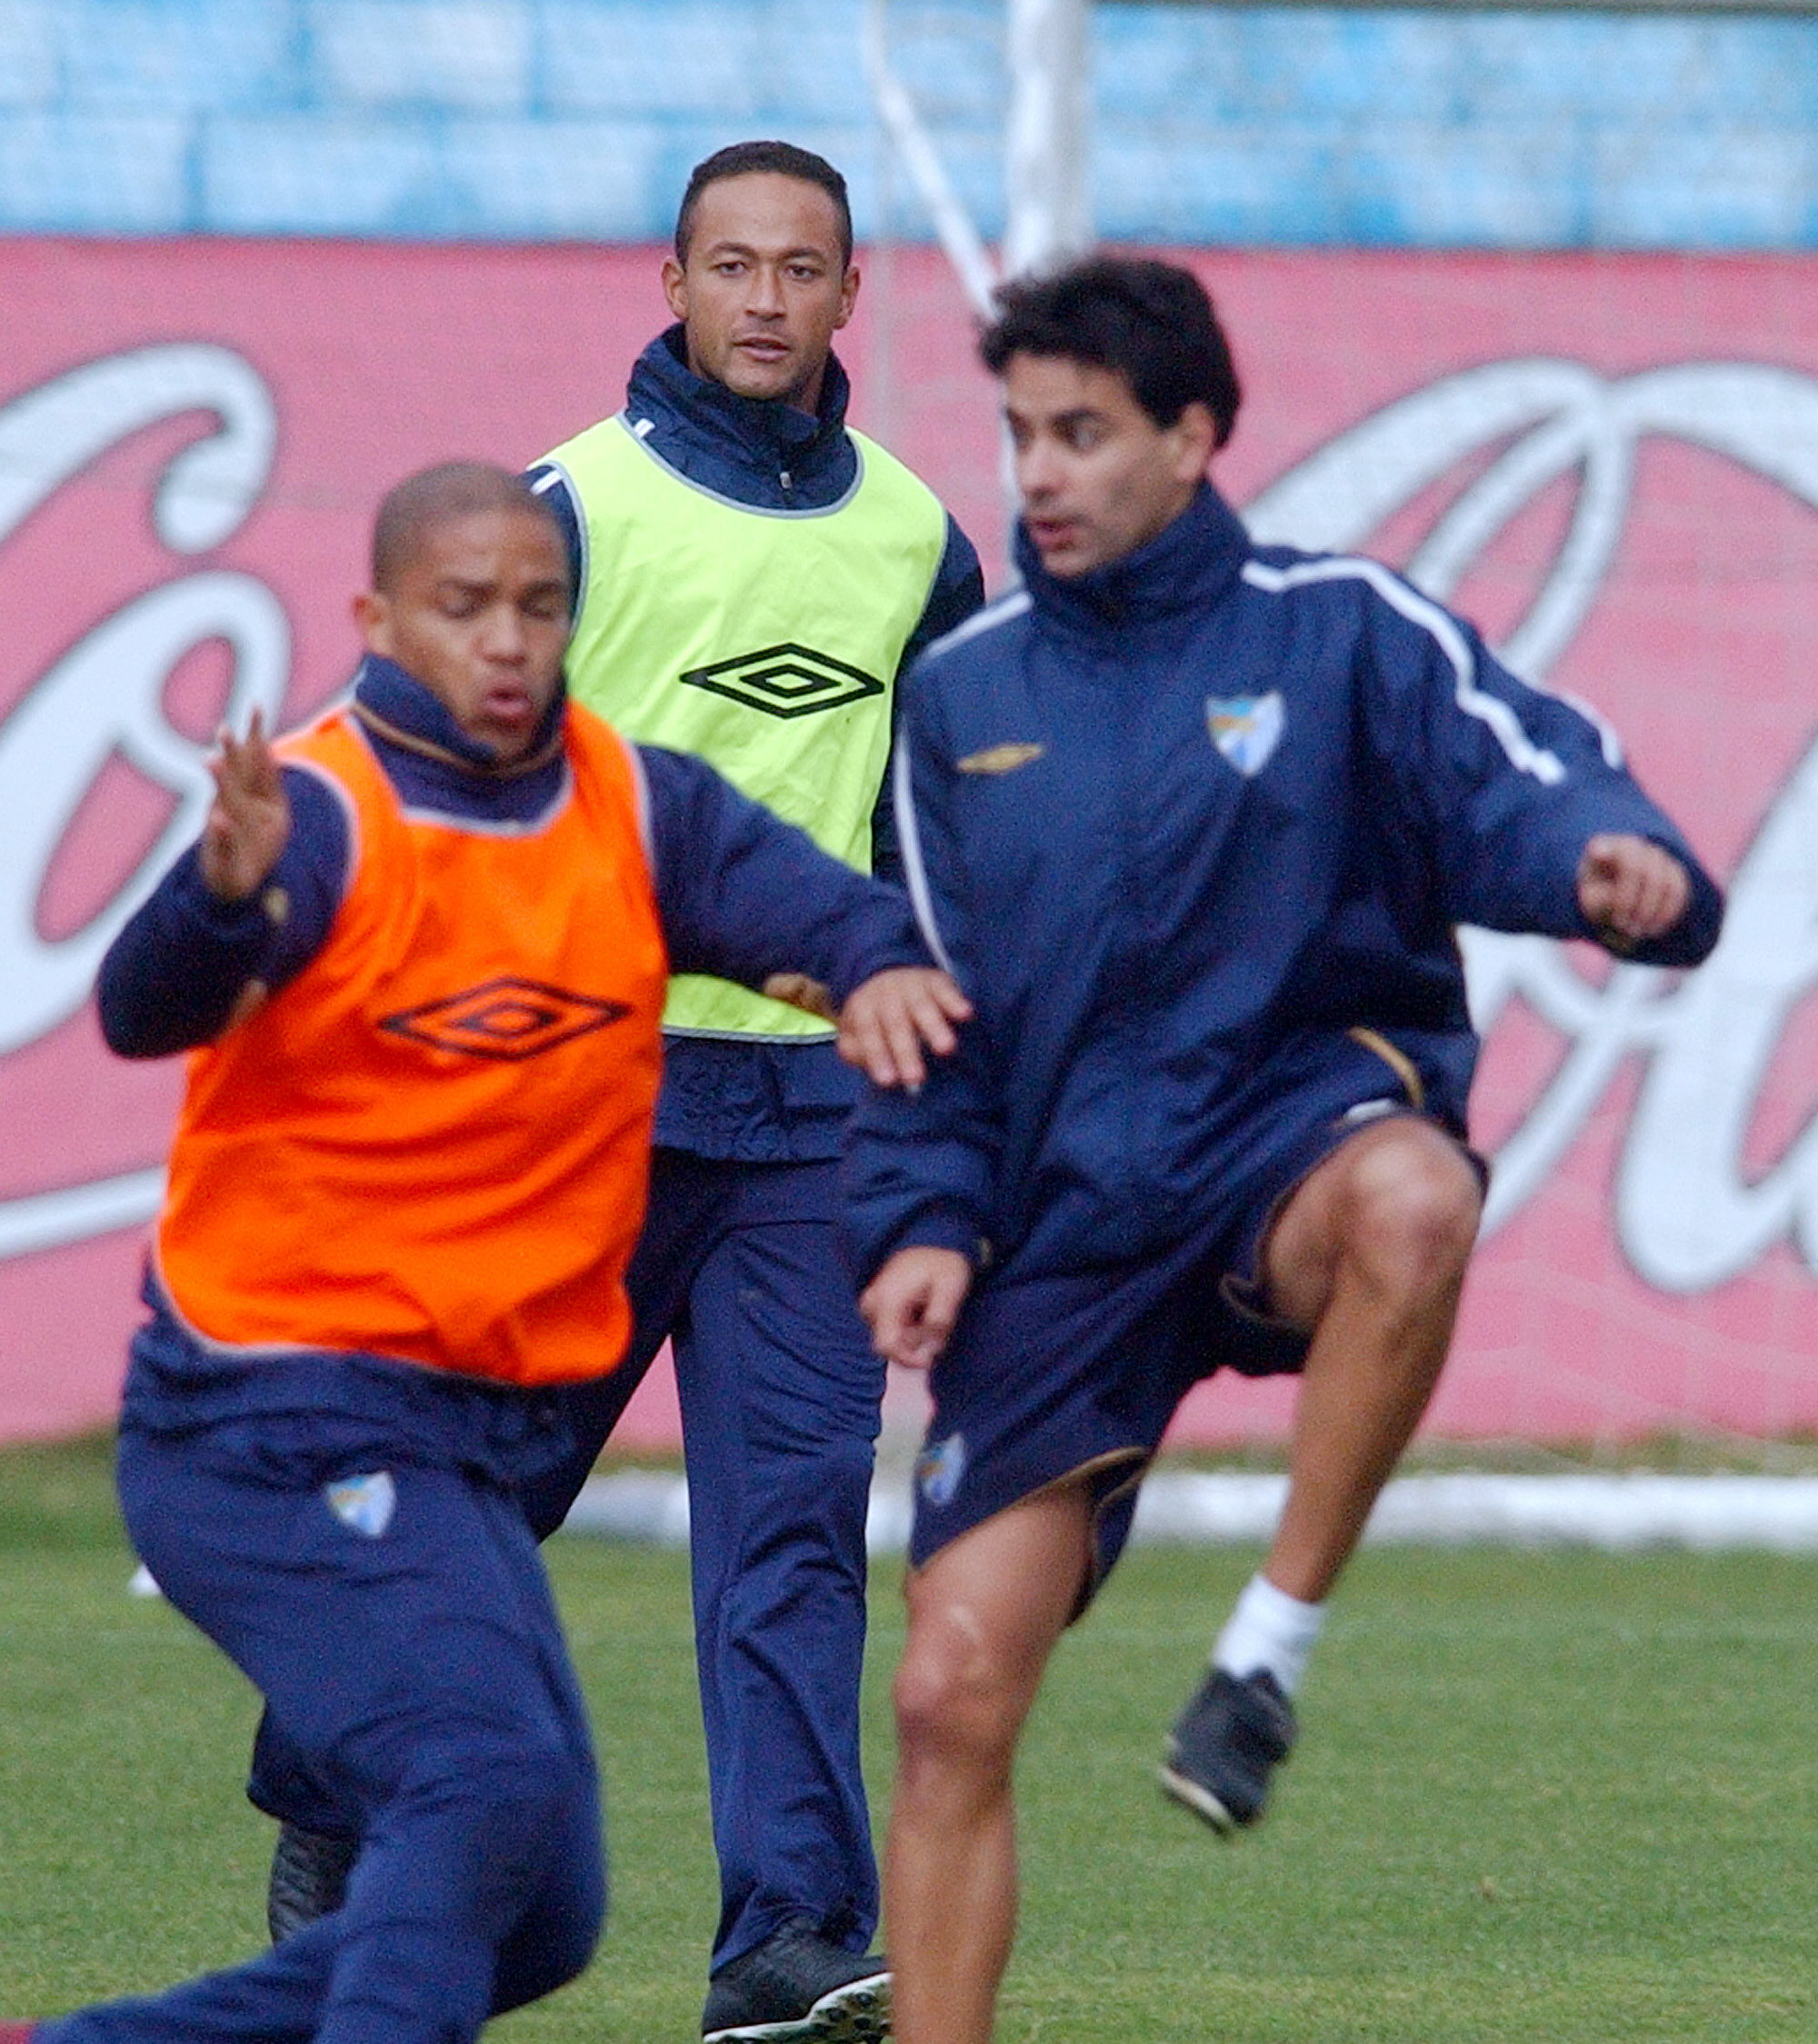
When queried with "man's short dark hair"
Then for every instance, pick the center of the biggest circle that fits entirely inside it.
(431, 498)
(740, 159)
(1151, 323)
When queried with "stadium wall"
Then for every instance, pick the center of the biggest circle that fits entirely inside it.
(517, 120)
(1611, 459)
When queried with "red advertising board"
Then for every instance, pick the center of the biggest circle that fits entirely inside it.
(1611, 462)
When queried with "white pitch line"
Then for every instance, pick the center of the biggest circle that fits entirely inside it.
(1618, 1512)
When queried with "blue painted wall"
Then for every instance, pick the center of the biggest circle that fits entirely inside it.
(556, 119)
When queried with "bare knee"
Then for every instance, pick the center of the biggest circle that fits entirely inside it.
(971, 1667)
(1409, 1212)
(958, 1703)
(984, 1613)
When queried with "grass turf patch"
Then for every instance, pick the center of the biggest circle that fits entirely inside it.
(1552, 1794)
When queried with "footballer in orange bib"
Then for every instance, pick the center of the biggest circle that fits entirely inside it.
(418, 959)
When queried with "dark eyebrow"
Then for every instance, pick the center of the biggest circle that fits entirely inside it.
(1060, 419)
(788, 254)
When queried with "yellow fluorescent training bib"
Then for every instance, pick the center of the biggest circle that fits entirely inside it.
(765, 642)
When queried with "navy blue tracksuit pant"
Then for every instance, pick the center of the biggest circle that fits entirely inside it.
(780, 1393)
(347, 1532)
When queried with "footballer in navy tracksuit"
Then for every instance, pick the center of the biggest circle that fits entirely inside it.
(1192, 821)
(739, 1261)
(1193, 830)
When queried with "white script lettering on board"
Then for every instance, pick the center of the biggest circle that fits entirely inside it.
(1688, 1212)
(103, 698)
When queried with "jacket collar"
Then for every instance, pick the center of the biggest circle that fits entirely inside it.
(398, 708)
(1187, 565)
(755, 434)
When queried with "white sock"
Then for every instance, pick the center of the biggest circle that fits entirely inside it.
(1269, 1628)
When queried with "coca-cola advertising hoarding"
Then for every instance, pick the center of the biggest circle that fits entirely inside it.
(1611, 464)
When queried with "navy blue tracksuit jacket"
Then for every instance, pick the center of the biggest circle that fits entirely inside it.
(1166, 817)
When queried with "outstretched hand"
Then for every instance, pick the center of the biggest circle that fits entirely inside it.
(249, 820)
(886, 1021)
(912, 1303)
(1630, 889)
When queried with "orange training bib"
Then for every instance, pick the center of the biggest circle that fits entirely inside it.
(434, 1142)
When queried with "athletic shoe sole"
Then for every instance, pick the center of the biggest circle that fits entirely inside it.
(857, 2013)
(1196, 1797)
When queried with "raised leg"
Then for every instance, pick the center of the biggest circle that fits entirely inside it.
(1369, 1253)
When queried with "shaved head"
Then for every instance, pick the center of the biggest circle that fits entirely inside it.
(470, 598)
(435, 497)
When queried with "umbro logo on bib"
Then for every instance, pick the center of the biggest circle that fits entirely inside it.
(508, 1018)
(786, 681)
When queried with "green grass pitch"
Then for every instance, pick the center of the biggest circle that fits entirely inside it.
(1553, 1795)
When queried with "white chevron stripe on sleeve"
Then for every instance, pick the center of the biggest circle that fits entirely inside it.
(1523, 755)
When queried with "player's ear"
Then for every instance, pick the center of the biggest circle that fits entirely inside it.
(373, 621)
(676, 288)
(849, 284)
(1196, 434)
